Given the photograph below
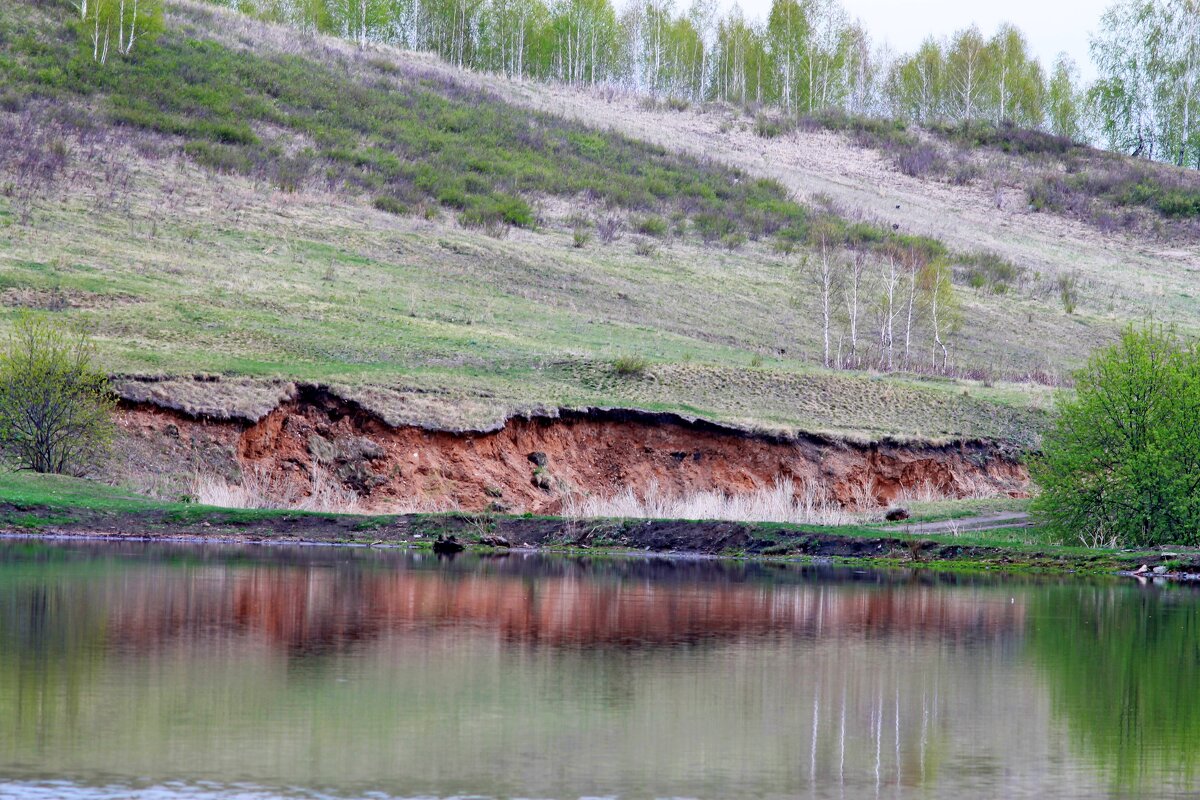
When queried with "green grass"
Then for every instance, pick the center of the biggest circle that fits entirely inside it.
(42, 501)
(61, 495)
(938, 510)
(31, 490)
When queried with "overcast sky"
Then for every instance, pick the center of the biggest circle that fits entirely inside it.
(1051, 26)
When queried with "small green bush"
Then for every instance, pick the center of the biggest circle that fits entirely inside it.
(769, 127)
(391, 205)
(652, 226)
(631, 366)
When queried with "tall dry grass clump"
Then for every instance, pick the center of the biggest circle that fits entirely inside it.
(258, 489)
(779, 502)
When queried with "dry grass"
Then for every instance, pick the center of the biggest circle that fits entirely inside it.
(927, 492)
(260, 490)
(777, 503)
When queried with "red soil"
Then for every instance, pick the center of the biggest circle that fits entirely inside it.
(595, 451)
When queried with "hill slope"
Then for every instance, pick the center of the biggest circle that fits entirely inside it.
(244, 200)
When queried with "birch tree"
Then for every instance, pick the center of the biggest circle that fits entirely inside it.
(911, 268)
(788, 36)
(851, 296)
(938, 293)
(967, 65)
(916, 84)
(889, 280)
(1063, 104)
(1125, 52)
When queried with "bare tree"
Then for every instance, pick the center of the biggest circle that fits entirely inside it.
(942, 303)
(854, 280)
(911, 267)
(889, 277)
(826, 277)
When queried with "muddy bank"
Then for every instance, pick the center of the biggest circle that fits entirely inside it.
(671, 537)
(311, 439)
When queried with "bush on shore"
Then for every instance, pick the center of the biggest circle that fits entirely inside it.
(1121, 464)
(55, 405)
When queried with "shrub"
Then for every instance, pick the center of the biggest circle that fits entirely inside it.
(768, 127)
(732, 241)
(713, 226)
(55, 407)
(645, 248)
(630, 366)
(218, 157)
(1049, 193)
(920, 160)
(990, 272)
(1068, 291)
(390, 204)
(1121, 462)
(1007, 137)
(652, 226)
(609, 229)
(496, 210)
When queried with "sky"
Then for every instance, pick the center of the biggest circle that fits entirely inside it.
(1051, 26)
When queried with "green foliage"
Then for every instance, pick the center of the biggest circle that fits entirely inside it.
(630, 366)
(990, 273)
(117, 26)
(412, 137)
(390, 204)
(1144, 97)
(1068, 291)
(55, 407)
(1169, 201)
(769, 127)
(1121, 464)
(652, 226)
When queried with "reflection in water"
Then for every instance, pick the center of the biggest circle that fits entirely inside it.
(175, 672)
(1123, 669)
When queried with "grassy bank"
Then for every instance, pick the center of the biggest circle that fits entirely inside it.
(44, 505)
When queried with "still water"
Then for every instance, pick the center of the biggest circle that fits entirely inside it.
(152, 671)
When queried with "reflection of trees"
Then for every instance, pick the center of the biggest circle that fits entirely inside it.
(52, 644)
(1123, 669)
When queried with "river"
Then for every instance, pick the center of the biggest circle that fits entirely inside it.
(188, 671)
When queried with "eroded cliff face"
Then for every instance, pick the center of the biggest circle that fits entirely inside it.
(532, 464)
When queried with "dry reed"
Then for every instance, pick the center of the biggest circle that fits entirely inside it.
(777, 503)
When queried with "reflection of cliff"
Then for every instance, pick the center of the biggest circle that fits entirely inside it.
(314, 609)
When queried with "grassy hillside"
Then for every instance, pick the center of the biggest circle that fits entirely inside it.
(243, 200)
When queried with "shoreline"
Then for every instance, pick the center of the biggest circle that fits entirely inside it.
(876, 547)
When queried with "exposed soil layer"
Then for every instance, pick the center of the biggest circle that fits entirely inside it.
(533, 463)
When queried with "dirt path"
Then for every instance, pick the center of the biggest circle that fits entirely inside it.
(986, 522)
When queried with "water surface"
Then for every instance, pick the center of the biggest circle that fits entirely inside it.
(155, 671)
